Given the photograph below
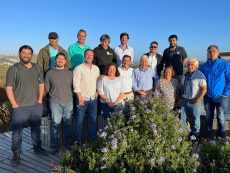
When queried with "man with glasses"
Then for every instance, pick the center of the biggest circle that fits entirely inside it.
(155, 60)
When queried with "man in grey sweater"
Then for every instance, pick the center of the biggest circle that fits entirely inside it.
(58, 84)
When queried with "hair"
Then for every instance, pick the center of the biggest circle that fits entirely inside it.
(25, 47)
(87, 51)
(143, 56)
(106, 69)
(126, 56)
(170, 68)
(173, 36)
(213, 46)
(124, 34)
(105, 37)
(193, 59)
(154, 42)
(60, 53)
(81, 30)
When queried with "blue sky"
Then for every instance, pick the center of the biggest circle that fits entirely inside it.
(197, 23)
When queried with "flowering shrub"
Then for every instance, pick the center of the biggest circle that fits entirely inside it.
(215, 156)
(142, 136)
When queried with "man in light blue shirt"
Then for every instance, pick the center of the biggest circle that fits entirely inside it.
(123, 49)
(143, 78)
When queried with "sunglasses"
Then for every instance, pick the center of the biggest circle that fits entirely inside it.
(153, 46)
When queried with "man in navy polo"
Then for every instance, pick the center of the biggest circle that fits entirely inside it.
(175, 56)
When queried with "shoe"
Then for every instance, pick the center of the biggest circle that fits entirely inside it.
(54, 149)
(40, 150)
(15, 159)
(78, 142)
(195, 141)
(69, 146)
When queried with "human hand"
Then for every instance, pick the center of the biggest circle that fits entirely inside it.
(15, 106)
(81, 102)
(111, 104)
(40, 101)
(96, 94)
(195, 101)
(224, 95)
(149, 66)
(101, 77)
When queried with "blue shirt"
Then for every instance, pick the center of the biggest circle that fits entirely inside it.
(53, 54)
(120, 53)
(111, 88)
(143, 80)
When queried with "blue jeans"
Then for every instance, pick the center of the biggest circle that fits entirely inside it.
(188, 108)
(107, 110)
(221, 104)
(61, 111)
(20, 116)
(91, 106)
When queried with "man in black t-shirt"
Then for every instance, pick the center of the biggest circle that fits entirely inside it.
(175, 56)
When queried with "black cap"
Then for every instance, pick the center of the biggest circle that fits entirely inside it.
(53, 35)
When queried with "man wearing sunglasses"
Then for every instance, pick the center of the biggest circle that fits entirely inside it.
(155, 60)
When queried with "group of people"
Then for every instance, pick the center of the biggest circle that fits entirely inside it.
(89, 80)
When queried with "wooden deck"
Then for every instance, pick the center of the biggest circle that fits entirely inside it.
(29, 162)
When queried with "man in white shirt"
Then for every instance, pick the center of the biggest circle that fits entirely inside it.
(126, 73)
(123, 49)
(85, 78)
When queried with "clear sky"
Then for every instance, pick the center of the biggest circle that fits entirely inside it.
(197, 23)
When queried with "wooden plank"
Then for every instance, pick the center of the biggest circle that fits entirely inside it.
(5, 149)
(5, 154)
(52, 156)
(9, 143)
(11, 168)
(4, 171)
(21, 167)
(24, 138)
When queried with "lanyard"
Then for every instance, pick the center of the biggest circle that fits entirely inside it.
(171, 53)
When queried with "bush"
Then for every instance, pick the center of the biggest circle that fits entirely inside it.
(142, 136)
(215, 156)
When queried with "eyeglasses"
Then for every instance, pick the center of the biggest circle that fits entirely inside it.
(153, 47)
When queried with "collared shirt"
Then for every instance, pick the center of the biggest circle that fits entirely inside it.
(111, 88)
(143, 80)
(126, 77)
(53, 54)
(120, 53)
(153, 61)
(82, 47)
(85, 81)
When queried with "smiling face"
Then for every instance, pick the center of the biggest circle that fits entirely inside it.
(126, 62)
(144, 63)
(191, 66)
(60, 61)
(213, 53)
(81, 37)
(153, 48)
(105, 44)
(173, 42)
(89, 57)
(124, 40)
(53, 42)
(112, 71)
(168, 74)
(25, 56)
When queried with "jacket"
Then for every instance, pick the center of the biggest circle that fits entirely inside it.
(218, 76)
(103, 56)
(76, 54)
(44, 58)
(160, 63)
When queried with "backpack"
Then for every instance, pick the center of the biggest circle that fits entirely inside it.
(15, 71)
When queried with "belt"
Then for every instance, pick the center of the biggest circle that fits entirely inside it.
(128, 92)
(146, 90)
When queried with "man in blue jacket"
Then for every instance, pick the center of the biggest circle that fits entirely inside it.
(217, 72)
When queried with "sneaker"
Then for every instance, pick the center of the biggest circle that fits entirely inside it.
(54, 149)
(40, 150)
(69, 146)
(195, 141)
(15, 159)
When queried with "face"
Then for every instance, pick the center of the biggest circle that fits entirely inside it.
(168, 73)
(53, 41)
(124, 40)
(153, 48)
(105, 44)
(89, 57)
(112, 70)
(60, 61)
(144, 63)
(173, 42)
(25, 56)
(81, 37)
(126, 62)
(191, 66)
(213, 53)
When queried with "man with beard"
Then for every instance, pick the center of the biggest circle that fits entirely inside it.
(24, 88)
(175, 56)
(85, 81)
(58, 84)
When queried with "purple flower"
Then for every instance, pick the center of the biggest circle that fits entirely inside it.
(156, 149)
(161, 159)
(196, 155)
(152, 120)
(103, 167)
(175, 129)
(172, 146)
(147, 111)
(104, 150)
(141, 102)
(188, 129)
(133, 117)
(175, 118)
(114, 146)
(212, 142)
(193, 170)
(180, 121)
(163, 142)
(105, 158)
(132, 108)
(124, 143)
(154, 105)
(227, 143)
(75, 142)
(155, 132)
(122, 115)
(180, 130)
(165, 126)
(131, 129)
(179, 111)
(152, 160)
(192, 137)
(103, 134)
(179, 139)
(151, 100)
(153, 125)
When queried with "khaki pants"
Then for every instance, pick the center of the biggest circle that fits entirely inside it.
(129, 96)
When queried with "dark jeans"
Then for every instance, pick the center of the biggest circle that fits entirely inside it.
(91, 106)
(107, 110)
(221, 105)
(20, 116)
(48, 111)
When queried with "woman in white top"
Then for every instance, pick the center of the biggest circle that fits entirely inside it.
(111, 89)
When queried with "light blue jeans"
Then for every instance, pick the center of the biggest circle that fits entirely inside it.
(59, 112)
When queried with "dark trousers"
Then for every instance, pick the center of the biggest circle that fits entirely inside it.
(149, 94)
(20, 116)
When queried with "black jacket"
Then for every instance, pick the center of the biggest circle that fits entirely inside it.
(160, 63)
(103, 56)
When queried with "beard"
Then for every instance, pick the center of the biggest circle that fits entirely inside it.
(25, 62)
